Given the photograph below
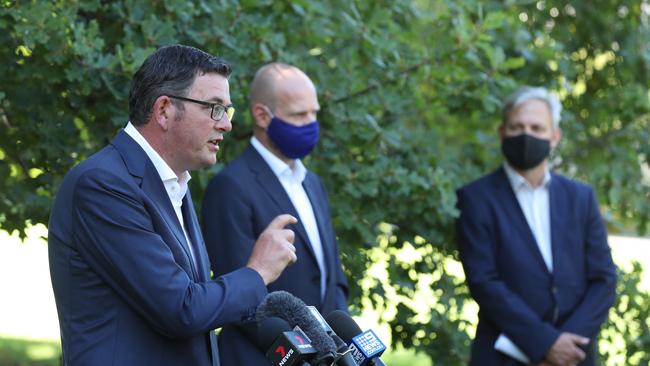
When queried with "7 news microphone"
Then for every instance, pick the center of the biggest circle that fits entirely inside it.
(289, 308)
(366, 347)
(284, 346)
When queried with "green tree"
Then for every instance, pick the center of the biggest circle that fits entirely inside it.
(410, 92)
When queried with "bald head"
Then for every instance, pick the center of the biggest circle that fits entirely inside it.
(276, 80)
(286, 93)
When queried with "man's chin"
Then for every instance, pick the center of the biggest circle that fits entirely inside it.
(210, 161)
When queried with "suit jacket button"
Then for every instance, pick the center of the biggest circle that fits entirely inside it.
(554, 290)
(315, 280)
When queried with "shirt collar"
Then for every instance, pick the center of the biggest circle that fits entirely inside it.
(166, 173)
(279, 167)
(518, 182)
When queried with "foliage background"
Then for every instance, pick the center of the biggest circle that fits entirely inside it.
(410, 94)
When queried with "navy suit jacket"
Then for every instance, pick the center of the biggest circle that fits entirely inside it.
(126, 290)
(507, 277)
(239, 203)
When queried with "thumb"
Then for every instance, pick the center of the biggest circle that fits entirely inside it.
(280, 221)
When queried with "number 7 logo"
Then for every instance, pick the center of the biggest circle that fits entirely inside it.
(281, 351)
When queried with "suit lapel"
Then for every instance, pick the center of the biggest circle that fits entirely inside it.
(313, 190)
(193, 231)
(557, 227)
(313, 193)
(269, 183)
(141, 167)
(516, 215)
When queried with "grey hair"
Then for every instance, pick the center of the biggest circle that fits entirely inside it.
(526, 93)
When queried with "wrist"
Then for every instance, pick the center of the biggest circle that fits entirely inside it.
(263, 275)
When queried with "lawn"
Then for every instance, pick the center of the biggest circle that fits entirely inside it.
(29, 352)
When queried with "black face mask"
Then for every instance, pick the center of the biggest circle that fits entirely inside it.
(524, 151)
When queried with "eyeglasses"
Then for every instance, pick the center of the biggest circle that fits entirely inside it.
(217, 111)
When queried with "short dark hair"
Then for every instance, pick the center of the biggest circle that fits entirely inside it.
(170, 70)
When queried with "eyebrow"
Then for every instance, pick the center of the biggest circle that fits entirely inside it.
(218, 100)
(302, 111)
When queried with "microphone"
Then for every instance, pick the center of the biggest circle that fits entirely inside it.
(366, 347)
(285, 306)
(344, 355)
(283, 346)
(269, 330)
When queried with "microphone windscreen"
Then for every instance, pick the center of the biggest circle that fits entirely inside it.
(285, 306)
(269, 329)
(343, 325)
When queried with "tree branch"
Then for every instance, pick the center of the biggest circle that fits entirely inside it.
(374, 84)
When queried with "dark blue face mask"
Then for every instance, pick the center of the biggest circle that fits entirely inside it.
(294, 142)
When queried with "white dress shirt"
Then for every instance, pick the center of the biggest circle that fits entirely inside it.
(176, 187)
(291, 179)
(534, 202)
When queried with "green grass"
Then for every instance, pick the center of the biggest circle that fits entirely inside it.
(27, 352)
(405, 358)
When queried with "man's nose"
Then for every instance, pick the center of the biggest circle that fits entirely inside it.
(224, 124)
(528, 130)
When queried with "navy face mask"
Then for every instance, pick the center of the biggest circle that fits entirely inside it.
(525, 151)
(294, 142)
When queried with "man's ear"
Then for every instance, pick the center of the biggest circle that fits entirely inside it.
(556, 136)
(163, 111)
(261, 115)
(501, 130)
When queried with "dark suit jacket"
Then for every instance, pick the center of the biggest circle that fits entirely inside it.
(239, 203)
(126, 290)
(509, 280)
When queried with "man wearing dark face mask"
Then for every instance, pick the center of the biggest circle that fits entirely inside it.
(269, 178)
(534, 248)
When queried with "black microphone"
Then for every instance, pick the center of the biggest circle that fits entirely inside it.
(344, 355)
(366, 347)
(283, 346)
(285, 306)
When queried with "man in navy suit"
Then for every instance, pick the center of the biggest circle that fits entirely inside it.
(128, 263)
(534, 248)
(269, 178)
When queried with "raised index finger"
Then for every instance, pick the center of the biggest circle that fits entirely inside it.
(579, 339)
(280, 221)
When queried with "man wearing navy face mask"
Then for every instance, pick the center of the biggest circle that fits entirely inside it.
(269, 178)
(534, 248)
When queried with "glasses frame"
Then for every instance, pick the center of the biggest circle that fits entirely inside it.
(223, 109)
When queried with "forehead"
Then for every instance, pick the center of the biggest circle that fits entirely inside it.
(211, 87)
(530, 111)
(297, 95)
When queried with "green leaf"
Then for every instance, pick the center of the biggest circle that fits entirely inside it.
(493, 20)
